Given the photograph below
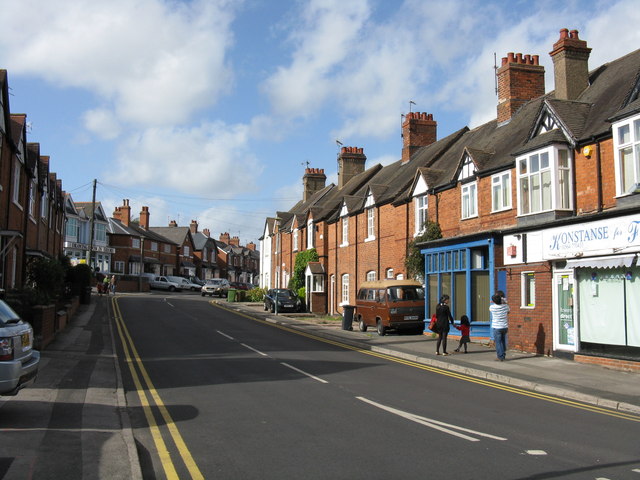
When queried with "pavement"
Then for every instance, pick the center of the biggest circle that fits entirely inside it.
(77, 425)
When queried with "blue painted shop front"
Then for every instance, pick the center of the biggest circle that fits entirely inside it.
(466, 272)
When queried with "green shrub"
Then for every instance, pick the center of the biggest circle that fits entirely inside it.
(256, 294)
(45, 279)
(302, 260)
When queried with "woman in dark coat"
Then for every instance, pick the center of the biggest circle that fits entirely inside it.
(444, 318)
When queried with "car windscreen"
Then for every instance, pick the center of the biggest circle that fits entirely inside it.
(7, 315)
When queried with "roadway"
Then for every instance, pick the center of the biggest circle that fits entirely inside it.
(215, 394)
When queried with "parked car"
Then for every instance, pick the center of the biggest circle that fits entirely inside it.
(18, 360)
(193, 279)
(184, 283)
(390, 304)
(285, 299)
(215, 286)
(239, 285)
(163, 283)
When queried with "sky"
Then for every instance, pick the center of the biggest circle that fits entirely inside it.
(210, 110)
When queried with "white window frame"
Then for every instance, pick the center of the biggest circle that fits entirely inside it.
(371, 276)
(545, 177)
(295, 239)
(167, 248)
(72, 230)
(17, 174)
(186, 251)
(468, 168)
(528, 290)
(371, 224)
(154, 246)
(345, 231)
(631, 143)
(389, 273)
(135, 242)
(33, 188)
(118, 266)
(310, 235)
(469, 200)
(421, 203)
(501, 192)
(101, 232)
(44, 203)
(344, 282)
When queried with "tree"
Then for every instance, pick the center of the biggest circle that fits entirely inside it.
(414, 261)
(302, 260)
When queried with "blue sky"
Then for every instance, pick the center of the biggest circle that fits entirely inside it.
(210, 109)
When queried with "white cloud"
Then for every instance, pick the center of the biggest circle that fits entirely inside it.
(156, 62)
(103, 123)
(211, 160)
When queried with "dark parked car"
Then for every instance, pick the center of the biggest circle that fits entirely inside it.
(287, 300)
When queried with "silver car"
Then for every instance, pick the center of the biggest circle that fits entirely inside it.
(18, 360)
(216, 286)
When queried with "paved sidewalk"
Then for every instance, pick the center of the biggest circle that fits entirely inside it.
(592, 384)
(72, 422)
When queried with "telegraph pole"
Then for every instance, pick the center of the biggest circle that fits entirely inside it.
(93, 214)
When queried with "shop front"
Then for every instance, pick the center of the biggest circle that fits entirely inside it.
(596, 285)
(466, 271)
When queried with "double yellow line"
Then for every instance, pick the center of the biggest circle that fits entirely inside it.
(449, 373)
(148, 390)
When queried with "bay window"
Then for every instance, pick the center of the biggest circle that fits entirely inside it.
(626, 138)
(544, 180)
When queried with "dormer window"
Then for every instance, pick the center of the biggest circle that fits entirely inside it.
(467, 170)
(626, 138)
(547, 124)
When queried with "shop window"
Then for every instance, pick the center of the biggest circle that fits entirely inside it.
(626, 137)
(528, 290)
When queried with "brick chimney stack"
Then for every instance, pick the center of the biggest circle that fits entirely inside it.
(570, 65)
(251, 246)
(173, 223)
(520, 79)
(224, 237)
(313, 181)
(235, 241)
(418, 130)
(125, 212)
(193, 227)
(144, 218)
(206, 232)
(350, 163)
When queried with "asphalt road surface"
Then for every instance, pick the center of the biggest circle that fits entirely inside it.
(218, 395)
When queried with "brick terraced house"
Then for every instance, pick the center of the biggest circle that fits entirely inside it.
(543, 203)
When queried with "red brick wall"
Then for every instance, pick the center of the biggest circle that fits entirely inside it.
(531, 329)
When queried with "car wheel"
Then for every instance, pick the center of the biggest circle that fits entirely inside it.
(273, 308)
(382, 330)
(203, 294)
(361, 325)
(266, 307)
(172, 288)
(224, 294)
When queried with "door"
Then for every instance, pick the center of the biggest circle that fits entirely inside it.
(564, 323)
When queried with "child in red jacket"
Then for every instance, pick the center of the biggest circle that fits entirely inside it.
(464, 328)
